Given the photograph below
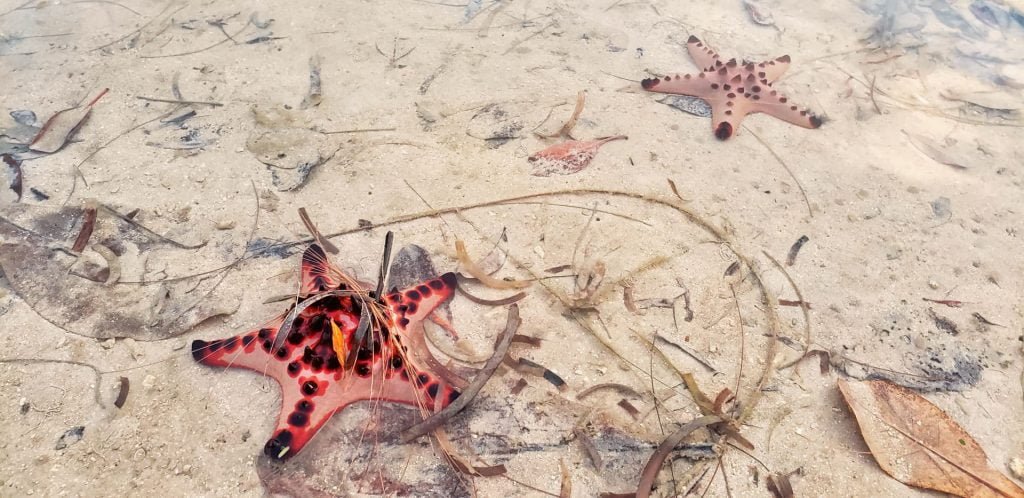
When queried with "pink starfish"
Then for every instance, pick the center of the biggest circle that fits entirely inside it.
(734, 90)
(391, 364)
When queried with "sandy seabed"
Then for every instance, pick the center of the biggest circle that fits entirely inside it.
(454, 93)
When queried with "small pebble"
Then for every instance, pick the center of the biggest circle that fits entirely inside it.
(942, 208)
(225, 224)
(70, 437)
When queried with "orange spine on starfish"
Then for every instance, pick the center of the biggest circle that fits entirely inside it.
(391, 364)
(734, 89)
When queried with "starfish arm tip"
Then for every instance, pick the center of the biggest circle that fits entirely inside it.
(723, 131)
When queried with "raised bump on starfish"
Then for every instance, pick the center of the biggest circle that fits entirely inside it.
(393, 364)
(734, 89)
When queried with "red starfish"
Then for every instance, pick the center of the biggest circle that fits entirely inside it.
(392, 363)
(734, 90)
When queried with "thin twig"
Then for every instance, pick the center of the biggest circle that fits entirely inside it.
(191, 52)
(500, 351)
(153, 235)
(786, 166)
(803, 309)
(39, 361)
(689, 352)
(109, 2)
(871, 93)
(180, 102)
(356, 130)
(654, 464)
(78, 167)
(20, 7)
(528, 38)
(144, 26)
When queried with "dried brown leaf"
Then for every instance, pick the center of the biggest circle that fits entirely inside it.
(566, 491)
(88, 225)
(630, 409)
(518, 388)
(589, 448)
(61, 126)
(622, 388)
(122, 392)
(566, 129)
(315, 232)
(918, 444)
(568, 157)
(779, 486)
(628, 301)
(654, 464)
(941, 154)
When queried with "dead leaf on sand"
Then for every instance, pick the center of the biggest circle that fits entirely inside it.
(952, 155)
(82, 302)
(59, 129)
(996, 100)
(568, 157)
(918, 444)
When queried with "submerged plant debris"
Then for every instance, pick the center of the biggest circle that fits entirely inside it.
(661, 339)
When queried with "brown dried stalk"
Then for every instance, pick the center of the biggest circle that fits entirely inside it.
(315, 232)
(479, 274)
(654, 464)
(440, 418)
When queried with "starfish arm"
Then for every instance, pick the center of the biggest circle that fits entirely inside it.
(780, 107)
(410, 307)
(308, 400)
(725, 120)
(312, 382)
(687, 84)
(702, 54)
(416, 302)
(772, 70)
(316, 276)
(398, 381)
(250, 350)
(302, 414)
